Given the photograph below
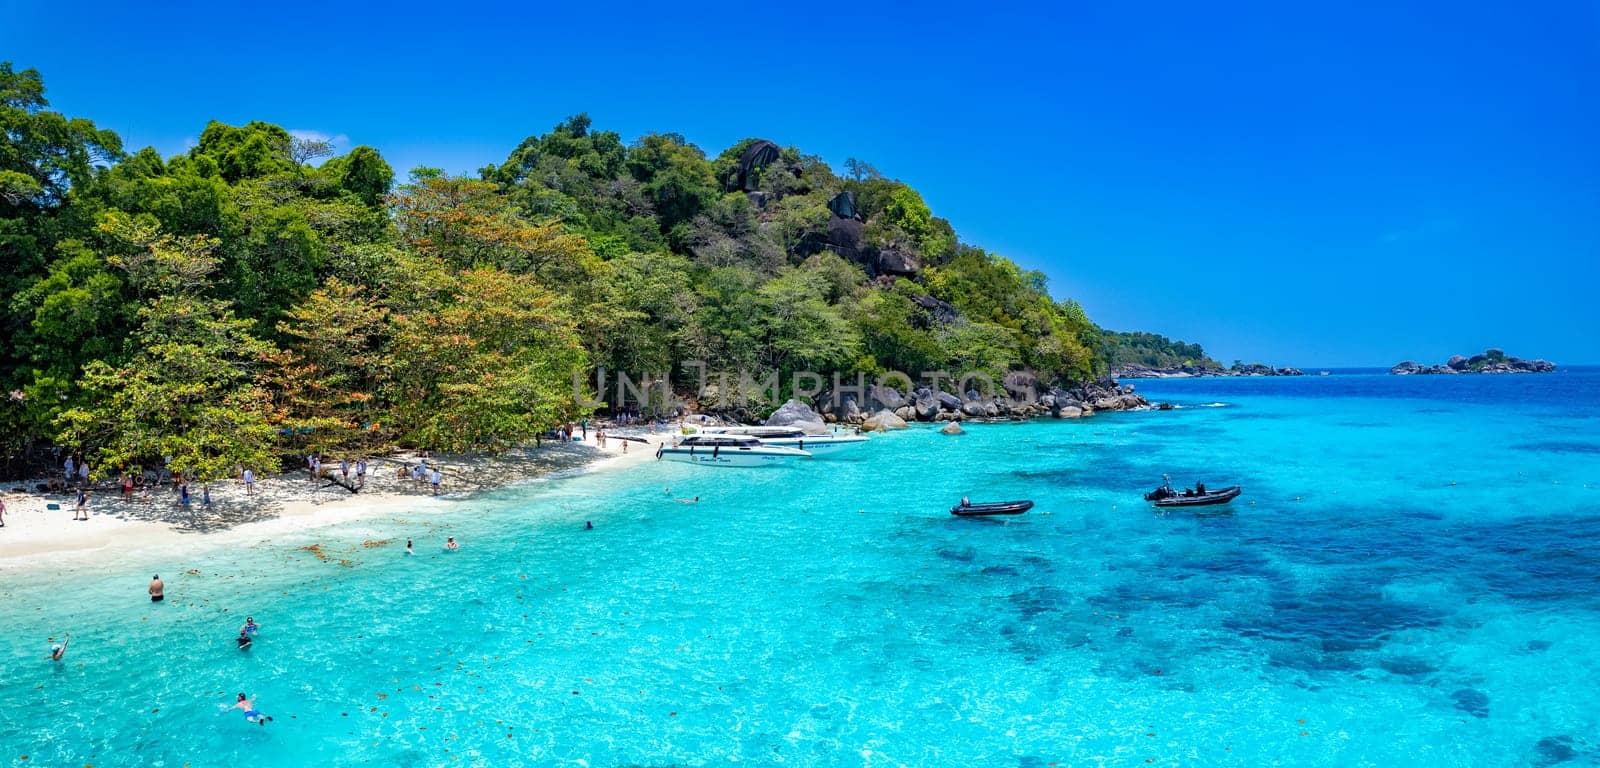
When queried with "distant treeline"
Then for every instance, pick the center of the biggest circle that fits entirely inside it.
(1152, 351)
(265, 293)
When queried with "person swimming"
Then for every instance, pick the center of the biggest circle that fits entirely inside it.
(250, 626)
(251, 714)
(58, 650)
(409, 551)
(450, 543)
(588, 525)
(244, 640)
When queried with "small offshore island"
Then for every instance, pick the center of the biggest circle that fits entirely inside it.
(1491, 361)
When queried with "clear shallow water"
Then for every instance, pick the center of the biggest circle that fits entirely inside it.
(1353, 608)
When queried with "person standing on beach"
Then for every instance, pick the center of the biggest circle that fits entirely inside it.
(586, 429)
(70, 470)
(433, 479)
(83, 505)
(126, 480)
(183, 495)
(2, 513)
(83, 473)
(344, 469)
(249, 482)
(361, 472)
(205, 494)
(158, 591)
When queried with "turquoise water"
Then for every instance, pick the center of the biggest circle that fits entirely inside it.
(1412, 577)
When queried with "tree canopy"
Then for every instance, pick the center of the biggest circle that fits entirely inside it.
(264, 293)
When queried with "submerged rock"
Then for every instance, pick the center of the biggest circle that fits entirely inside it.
(953, 428)
(1472, 701)
(1553, 750)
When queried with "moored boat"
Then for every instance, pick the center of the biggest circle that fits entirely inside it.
(728, 451)
(824, 444)
(986, 509)
(1166, 496)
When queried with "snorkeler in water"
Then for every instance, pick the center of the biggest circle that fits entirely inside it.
(251, 714)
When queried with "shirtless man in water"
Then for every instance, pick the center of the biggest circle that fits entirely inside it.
(250, 713)
(157, 589)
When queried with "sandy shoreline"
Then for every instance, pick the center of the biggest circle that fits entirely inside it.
(36, 537)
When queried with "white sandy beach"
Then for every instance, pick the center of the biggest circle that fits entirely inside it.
(35, 536)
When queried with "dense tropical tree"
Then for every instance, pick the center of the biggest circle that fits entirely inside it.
(188, 394)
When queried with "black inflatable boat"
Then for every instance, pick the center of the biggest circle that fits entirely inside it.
(1166, 497)
(991, 508)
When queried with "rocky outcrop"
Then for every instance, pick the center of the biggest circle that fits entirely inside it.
(894, 261)
(758, 155)
(888, 397)
(935, 311)
(1491, 361)
(1135, 371)
(953, 428)
(883, 421)
(797, 414)
(845, 237)
(1020, 399)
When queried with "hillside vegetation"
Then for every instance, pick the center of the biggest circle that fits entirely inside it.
(262, 294)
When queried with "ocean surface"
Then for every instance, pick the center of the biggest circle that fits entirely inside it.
(1412, 577)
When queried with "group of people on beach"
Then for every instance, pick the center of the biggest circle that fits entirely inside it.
(318, 470)
(422, 474)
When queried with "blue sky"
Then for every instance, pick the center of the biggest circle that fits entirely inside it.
(1308, 184)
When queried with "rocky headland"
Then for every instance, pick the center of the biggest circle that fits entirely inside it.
(1491, 361)
(890, 408)
(1135, 371)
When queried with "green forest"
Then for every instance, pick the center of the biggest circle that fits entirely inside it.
(262, 295)
(1153, 351)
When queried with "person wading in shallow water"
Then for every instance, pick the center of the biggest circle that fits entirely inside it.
(157, 589)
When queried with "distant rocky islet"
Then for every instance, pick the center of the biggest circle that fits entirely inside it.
(1490, 361)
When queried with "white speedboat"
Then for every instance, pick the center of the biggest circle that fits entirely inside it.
(729, 451)
(825, 444)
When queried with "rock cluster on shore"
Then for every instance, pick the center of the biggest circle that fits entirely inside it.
(1135, 371)
(889, 408)
(1491, 361)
